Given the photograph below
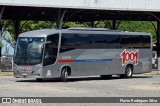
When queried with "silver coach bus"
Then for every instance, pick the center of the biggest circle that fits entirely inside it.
(50, 53)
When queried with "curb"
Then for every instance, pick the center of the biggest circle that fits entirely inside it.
(153, 73)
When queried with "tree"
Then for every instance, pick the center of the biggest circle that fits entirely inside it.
(139, 26)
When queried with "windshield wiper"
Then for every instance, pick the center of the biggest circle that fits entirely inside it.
(23, 55)
(29, 55)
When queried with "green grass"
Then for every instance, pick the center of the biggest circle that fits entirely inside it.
(6, 74)
(153, 73)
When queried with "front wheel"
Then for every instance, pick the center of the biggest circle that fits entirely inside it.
(128, 72)
(64, 75)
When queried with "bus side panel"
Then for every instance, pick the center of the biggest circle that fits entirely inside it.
(51, 71)
(145, 61)
(70, 58)
(93, 61)
(110, 63)
(84, 62)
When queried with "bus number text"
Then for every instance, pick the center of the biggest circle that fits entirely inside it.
(129, 57)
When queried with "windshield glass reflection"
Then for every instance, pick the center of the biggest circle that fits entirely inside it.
(27, 51)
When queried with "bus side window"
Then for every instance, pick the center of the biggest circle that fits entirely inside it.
(146, 41)
(98, 41)
(49, 55)
(136, 41)
(51, 49)
(113, 41)
(125, 41)
(68, 42)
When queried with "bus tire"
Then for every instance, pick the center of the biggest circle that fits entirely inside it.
(128, 72)
(64, 75)
(106, 76)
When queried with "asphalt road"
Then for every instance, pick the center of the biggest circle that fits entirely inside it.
(138, 86)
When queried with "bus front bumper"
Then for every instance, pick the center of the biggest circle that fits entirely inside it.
(35, 72)
(27, 74)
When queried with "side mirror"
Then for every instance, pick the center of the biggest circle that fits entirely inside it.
(41, 46)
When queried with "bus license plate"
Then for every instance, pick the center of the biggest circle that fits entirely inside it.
(24, 74)
(28, 68)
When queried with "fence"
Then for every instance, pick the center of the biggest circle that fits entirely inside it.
(6, 64)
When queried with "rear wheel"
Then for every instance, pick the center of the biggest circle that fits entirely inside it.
(106, 76)
(128, 72)
(64, 75)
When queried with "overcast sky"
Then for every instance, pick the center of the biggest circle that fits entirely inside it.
(11, 50)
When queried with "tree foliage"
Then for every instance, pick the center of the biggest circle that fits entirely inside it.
(139, 26)
(134, 26)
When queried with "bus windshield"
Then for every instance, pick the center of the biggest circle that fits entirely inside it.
(27, 51)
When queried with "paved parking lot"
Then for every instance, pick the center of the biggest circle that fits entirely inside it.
(138, 86)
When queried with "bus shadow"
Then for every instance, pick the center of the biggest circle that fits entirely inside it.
(56, 80)
(41, 81)
(99, 78)
(142, 76)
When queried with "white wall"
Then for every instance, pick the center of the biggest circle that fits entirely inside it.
(132, 5)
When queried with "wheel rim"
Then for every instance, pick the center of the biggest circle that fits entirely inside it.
(66, 74)
(129, 72)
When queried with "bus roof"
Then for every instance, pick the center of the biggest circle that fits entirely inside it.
(46, 32)
(39, 33)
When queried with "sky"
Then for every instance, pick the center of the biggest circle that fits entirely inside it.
(11, 49)
(6, 36)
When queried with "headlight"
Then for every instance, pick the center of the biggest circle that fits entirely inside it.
(37, 68)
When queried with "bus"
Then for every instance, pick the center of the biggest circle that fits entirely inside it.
(75, 52)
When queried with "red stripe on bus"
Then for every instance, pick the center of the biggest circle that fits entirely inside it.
(66, 61)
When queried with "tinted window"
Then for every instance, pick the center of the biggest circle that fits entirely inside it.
(89, 41)
(125, 41)
(75, 41)
(83, 41)
(51, 49)
(98, 41)
(135, 41)
(112, 41)
(146, 41)
(102, 41)
(68, 42)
